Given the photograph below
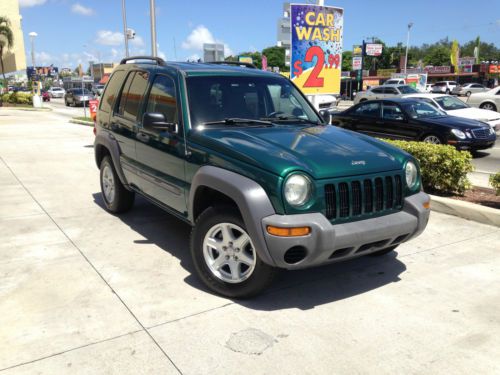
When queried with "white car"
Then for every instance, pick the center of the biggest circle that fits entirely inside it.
(383, 92)
(444, 87)
(395, 81)
(56, 92)
(486, 100)
(455, 107)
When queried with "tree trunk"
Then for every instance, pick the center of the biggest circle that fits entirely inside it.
(1, 62)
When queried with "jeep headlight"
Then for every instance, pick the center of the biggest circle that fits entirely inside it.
(297, 190)
(411, 174)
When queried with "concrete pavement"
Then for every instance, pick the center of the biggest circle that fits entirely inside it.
(83, 291)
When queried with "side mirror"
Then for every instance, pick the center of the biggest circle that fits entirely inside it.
(326, 116)
(157, 121)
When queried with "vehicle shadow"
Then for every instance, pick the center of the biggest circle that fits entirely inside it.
(302, 289)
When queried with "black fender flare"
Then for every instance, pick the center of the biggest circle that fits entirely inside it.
(251, 199)
(107, 140)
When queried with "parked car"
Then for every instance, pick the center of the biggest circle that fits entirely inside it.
(486, 100)
(77, 97)
(56, 92)
(455, 107)
(45, 96)
(243, 157)
(415, 120)
(98, 89)
(384, 91)
(395, 81)
(444, 87)
(428, 87)
(468, 88)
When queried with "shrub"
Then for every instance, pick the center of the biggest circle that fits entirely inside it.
(18, 98)
(495, 182)
(443, 168)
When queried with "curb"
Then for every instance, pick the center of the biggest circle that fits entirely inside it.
(28, 109)
(81, 122)
(466, 210)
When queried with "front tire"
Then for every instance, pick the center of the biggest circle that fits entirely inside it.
(489, 106)
(468, 93)
(432, 138)
(116, 197)
(224, 256)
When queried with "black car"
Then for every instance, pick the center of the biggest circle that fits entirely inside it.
(415, 120)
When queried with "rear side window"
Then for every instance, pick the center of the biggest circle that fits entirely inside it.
(390, 90)
(368, 110)
(112, 90)
(378, 90)
(133, 94)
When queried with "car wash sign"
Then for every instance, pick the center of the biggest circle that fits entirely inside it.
(316, 48)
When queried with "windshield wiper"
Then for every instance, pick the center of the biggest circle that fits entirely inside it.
(238, 122)
(290, 118)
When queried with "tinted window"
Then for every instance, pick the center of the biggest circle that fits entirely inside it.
(407, 90)
(449, 103)
(131, 98)
(419, 109)
(390, 91)
(112, 90)
(162, 98)
(368, 110)
(378, 90)
(392, 112)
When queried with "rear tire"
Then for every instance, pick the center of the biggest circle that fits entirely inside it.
(116, 197)
(224, 257)
(468, 93)
(384, 251)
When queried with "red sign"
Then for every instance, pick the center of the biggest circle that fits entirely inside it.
(93, 104)
(494, 69)
(373, 49)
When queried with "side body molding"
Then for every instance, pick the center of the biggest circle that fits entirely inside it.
(106, 139)
(249, 196)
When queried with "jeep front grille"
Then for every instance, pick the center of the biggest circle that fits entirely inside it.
(366, 196)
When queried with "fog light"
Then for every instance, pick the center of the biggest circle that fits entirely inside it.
(288, 232)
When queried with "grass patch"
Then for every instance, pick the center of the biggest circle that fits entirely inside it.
(82, 118)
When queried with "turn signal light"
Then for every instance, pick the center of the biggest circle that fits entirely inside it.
(427, 204)
(288, 232)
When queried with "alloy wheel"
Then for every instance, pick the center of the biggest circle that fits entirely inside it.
(229, 253)
(432, 139)
(108, 184)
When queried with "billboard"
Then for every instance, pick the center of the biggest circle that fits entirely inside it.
(356, 63)
(316, 48)
(357, 50)
(373, 49)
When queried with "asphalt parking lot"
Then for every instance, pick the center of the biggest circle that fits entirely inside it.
(83, 291)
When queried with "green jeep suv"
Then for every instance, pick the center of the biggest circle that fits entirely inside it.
(243, 157)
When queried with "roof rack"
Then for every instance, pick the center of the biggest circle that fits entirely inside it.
(235, 63)
(159, 60)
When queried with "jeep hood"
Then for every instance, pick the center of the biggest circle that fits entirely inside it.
(321, 151)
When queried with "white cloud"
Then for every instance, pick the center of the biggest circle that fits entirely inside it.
(31, 3)
(43, 59)
(137, 41)
(198, 36)
(194, 57)
(109, 38)
(80, 9)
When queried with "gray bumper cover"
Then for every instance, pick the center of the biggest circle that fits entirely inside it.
(330, 243)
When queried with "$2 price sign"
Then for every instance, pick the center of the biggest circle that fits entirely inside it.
(314, 80)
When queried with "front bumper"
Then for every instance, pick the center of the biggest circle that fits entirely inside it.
(329, 243)
(475, 144)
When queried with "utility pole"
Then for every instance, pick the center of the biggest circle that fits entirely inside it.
(153, 27)
(407, 44)
(33, 35)
(125, 34)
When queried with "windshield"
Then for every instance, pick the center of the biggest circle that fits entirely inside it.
(418, 110)
(216, 98)
(449, 103)
(407, 90)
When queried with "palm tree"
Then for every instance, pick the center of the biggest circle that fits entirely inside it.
(6, 39)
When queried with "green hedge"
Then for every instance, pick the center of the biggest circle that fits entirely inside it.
(443, 168)
(18, 98)
(495, 182)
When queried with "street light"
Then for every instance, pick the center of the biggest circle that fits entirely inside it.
(125, 33)
(407, 44)
(33, 35)
(153, 27)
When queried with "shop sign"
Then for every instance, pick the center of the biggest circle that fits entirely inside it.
(372, 49)
(316, 48)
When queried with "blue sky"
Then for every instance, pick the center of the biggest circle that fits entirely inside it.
(74, 31)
